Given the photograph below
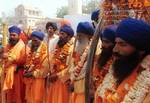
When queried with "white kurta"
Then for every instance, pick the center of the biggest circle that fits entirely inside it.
(53, 42)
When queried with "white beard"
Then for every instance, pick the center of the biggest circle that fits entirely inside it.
(81, 45)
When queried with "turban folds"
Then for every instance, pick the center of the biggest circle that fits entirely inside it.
(67, 29)
(109, 33)
(38, 34)
(86, 28)
(135, 32)
(95, 15)
(14, 29)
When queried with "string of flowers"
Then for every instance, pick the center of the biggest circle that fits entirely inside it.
(60, 56)
(107, 83)
(81, 74)
(141, 86)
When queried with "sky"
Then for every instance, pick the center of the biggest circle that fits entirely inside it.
(48, 7)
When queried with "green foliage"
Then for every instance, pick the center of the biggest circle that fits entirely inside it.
(90, 6)
(62, 11)
(87, 7)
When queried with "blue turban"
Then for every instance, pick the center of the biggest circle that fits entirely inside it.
(67, 29)
(86, 28)
(135, 32)
(95, 15)
(109, 33)
(38, 34)
(14, 29)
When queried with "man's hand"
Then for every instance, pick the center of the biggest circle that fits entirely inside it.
(5, 56)
(53, 78)
(70, 85)
(28, 74)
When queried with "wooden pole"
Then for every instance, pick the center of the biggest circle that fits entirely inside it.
(4, 43)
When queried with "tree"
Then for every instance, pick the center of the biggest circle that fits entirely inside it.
(87, 8)
(62, 11)
(90, 6)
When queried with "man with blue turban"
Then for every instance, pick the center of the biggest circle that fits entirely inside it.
(65, 34)
(95, 17)
(104, 60)
(85, 32)
(129, 73)
(59, 63)
(13, 58)
(14, 34)
(36, 68)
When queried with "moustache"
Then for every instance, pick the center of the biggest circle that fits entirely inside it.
(34, 47)
(116, 54)
(13, 41)
(61, 42)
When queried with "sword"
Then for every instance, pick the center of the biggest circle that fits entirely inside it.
(90, 59)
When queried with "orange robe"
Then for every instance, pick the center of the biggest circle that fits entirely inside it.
(78, 96)
(35, 86)
(13, 80)
(58, 91)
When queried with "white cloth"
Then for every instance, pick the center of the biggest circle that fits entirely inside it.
(53, 42)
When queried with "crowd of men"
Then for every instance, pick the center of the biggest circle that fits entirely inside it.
(51, 69)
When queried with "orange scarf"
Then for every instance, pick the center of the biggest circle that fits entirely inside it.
(14, 54)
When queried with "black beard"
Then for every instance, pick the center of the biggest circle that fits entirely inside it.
(124, 66)
(34, 47)
(105, 55)
(62, 42)
(13, 41)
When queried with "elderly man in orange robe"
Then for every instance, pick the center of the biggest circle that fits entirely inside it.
(13, 58)
(85, 31)
(36, 68)
(128, 79)
(60, 59)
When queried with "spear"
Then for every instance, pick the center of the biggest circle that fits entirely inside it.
(26, 42)
(4, 43)
(90, 59)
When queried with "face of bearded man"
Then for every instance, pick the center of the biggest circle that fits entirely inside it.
(14, 38)
(35, 43)
(126, 59)
(106, 54)
(82, 43)
(63, 39)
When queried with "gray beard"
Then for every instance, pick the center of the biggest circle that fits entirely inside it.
(80, 46)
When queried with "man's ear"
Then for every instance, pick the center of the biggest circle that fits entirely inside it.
(69, 37)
